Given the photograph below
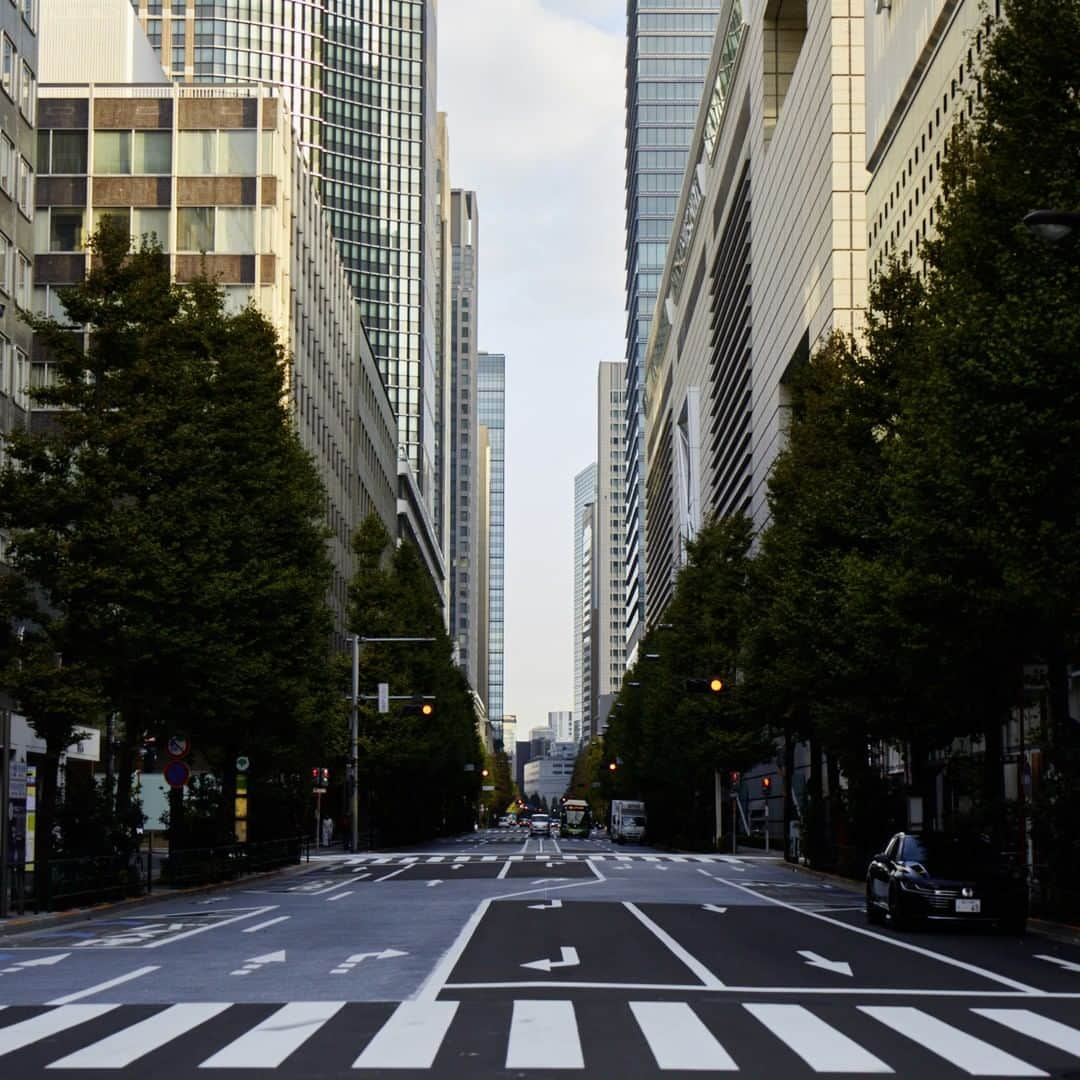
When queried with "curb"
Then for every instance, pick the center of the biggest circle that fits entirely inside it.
(20, 924)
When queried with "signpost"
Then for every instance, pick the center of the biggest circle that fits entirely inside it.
(178, 746)
(176, 774)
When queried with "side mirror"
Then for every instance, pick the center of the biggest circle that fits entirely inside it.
(881, 857)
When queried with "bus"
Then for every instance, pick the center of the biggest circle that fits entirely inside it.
(576, 818)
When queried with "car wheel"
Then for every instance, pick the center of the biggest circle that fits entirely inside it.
(873, 912)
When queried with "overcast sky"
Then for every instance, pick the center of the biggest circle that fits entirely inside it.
(534, 90)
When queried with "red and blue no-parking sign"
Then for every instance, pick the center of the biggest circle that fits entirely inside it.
(177, 773)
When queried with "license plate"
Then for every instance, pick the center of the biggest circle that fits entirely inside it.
(969, 907)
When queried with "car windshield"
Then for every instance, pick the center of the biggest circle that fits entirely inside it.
(638, 821)
(944, 855)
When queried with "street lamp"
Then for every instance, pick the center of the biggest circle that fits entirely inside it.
(1052, 225)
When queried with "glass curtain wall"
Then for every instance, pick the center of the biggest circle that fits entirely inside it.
(668, 45)
(491, 406)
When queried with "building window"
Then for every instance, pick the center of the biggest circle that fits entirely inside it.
(195, 228)
(22, 280)
(24, 194)
(66, 228)
(7, 70)
(220, 153)
(133, 152)
(27, 93)
(62, 152)
(7, 164)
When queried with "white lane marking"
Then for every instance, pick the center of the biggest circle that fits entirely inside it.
(340, 896)
(1067, 965)
(702, 870)
(1036, 1027)
(837, 967)
(555, 844)
(623, 858)
(489, 858)
(822, 1047)
(429, 991)
(211, 926)
(678, 858)
(713, 907)
(433, 882)
(975, 1057)
(569, 959)
(411, 859)
(437, 858)
(878, 991)
(941, 957)
(678, 1039)
(385, 859)
(596, 858)
(544, 1035)
(411, 1038)
(107, 985)
(332, 888)
(264, 925)
(546, 907)
(393, 873)
(122, 1048)
(517, 858)
(42, 1026)
(696, 966)
(462, 858)
(269, 1043)
(524, 847)
(504, 871)
(360, 876)
(651, 858)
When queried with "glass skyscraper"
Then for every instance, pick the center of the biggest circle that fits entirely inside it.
(491, 406)
(359, 78)
(668, 46)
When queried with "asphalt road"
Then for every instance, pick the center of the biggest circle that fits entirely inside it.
(497, 956)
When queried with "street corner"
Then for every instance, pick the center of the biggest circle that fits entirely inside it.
(597, 944)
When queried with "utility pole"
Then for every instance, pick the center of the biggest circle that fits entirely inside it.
(354, 747)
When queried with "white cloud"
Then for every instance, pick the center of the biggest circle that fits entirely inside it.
(535, 98)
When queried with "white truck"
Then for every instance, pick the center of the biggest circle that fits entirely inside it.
(627, 821)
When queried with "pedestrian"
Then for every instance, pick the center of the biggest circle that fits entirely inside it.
(327, 830)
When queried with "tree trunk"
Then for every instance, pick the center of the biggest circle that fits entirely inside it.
(815, 810)
(789, 792)
(45, 822)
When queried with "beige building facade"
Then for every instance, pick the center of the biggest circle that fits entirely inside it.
(217, 176)
(767, 257)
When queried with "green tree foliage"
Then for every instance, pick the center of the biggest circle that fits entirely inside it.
(168, 524)
(668, 743)
(413, 780)
(590, 767)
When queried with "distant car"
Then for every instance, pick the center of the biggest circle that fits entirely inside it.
(539, 825)
(505, 821)
(555, 828)
(938, 876)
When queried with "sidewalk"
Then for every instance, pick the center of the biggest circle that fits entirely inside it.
(41, 920)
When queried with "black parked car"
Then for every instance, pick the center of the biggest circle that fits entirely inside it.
(935, 876)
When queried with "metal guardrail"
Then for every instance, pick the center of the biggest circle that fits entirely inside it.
(101, 878)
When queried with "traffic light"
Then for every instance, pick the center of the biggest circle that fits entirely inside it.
(712, 685)
(320, 777)
(734, 777)
(484, 773)
(419, 706)
(612, 766)
(766, 785)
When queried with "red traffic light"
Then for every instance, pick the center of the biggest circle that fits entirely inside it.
(766, 784)
(427, 709)
(734, 777)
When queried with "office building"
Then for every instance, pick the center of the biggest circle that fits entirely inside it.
(483, 560)
(779, 142)
(922, 60)
(491, 412)
(464, 571)
(359, 79)
(668, 43)
(562, 724)
(217, 175)
(18, 117)
(584, 500)
(609, 560)
(441, 292)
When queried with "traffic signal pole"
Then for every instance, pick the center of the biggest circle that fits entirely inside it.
(354, 749)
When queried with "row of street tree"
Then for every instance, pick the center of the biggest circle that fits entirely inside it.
(168, 573)
(923, 542)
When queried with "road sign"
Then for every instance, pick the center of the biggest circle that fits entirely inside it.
(178, 746)
(243, 764)
(384, 697)
(177, 774)
(488, 787)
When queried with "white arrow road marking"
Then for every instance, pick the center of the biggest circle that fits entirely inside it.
(569, 959)
(257, 962)
(41, 961)
(713, 907)
(546, 907)
(358, 958)
(433, 882)
(1067, 965)
(838, 967)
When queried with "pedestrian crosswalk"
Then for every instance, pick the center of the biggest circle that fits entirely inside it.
(535, 1035)
(542, 857)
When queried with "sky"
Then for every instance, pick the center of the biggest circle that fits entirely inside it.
(534, 92)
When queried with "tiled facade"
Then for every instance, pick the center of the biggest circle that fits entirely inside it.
(217, 176)
(767, 259)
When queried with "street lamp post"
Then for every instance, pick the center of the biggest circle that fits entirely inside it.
(1053, 225)
(5, 811)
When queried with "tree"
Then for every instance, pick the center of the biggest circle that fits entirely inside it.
(167, 520)
(412, 769)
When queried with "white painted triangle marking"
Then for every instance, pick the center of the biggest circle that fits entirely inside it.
(269, 958)
(43, 961)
